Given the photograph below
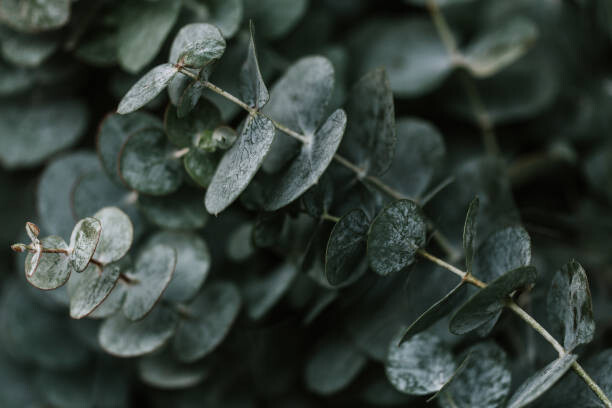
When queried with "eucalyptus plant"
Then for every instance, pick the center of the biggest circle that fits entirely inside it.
(306, 243)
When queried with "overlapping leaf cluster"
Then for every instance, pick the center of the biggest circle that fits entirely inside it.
(305, 203)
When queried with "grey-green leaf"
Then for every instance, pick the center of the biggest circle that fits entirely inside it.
(117, 235)
(212, 314)
(192, 263)
(499, 47)
(142, 31)
(181, 210)
(198, 125)
(162, 371)
(419, 366)
(35, 15)
(201, 166)
(252, 86)
(333, 364)
(540, 382)
(370, 135)
(488, 302)
(122, 337)
(147, 88)
(83, 242)
(240, 163)
(147, 163)
(569, 306)
(53, 269)
(28, 50)
(484, 382)
(502, 251)
(152, 274)
(395, 236)
(261, 294)
(89, 289)
(197, 45)
(437, 311)
(306, 169)
(469, 234)
(299, 101)
(346, 247)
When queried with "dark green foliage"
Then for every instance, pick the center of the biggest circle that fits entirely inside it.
(305, 203)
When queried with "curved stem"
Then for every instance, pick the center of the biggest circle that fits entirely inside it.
(526, 317)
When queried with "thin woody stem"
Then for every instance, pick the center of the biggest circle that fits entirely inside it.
(520, 312)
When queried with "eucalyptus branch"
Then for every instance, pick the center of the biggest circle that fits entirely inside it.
(511, 304)
(482, 116)
(446, 246)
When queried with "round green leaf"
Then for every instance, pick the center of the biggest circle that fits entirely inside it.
(201, 166)
(488, 302)
(252, 86)
(114, 131)
(152, 274)
(116, 237)
(370, 141)
(299, 101)
(419, 366)
(34, 15)
(332, 365)
(89, 289)
(197, 45)
(502, 251)
(31, 132)
(143, 28)
(147, 163)
(240, 163)
(122, 337)
(28, 50)
(161, 371)
(147, 88)
(484, 381)
(83, 242)
(569, 306)
(198, 125)
(273, 18)
(53, 269)
(262, 293)
(181, 210)
(192, 263)
(211, 316)
(541, 381)
(395, 236)
(346, 247)
(306, 169)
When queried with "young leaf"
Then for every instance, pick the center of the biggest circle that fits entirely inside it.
(197, 45)
(299, 101)
(116, 237)
(53, 269)
(35, 15)
(114, 131)
(240, 163)
(252, 86)
(147, 88)
(370, 141)
(89, 289)
(121, 337)
(419, 366)
(396, 234)
(142, 31)
(346, 246)
(83, 242)
(189, 130)
(437, 311)
(469, 234)
(152, 274)
(181, 210)
(306, 169)
(147, 164)
(487, 303)
(333, 364)
(536, 385)
(212, 314)
(570, 312)
(189, 98)
(502, 251)
(261, 294)
(192, 263)
(500, 47)
(484, 381)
